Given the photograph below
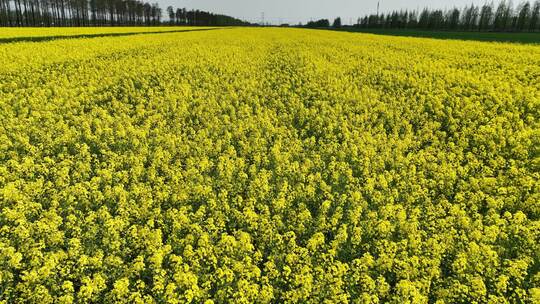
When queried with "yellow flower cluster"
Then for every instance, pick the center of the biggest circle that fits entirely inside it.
(257, 165)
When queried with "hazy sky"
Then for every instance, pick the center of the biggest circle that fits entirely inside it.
(294, 11)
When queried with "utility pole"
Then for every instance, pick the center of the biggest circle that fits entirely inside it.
(262, 18)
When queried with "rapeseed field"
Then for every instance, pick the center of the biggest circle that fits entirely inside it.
(260, 165)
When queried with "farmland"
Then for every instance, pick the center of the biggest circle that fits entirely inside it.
(527, 37)
(10, 35)
(259, 165)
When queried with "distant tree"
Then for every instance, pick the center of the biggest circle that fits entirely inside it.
(404, 19)
(453, 19)
(509, 17)
(535, 17)
(394, 19)
(412, 21)
(470, 16)
(5, 19)
(156, 13)
(524, 16)
(501, 17)
(486, 14)
(436, 19)
(319, 23)
(337, 22)
(172, 15)
(423, 21)
(179, 16)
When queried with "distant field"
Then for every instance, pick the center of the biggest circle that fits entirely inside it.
(479, 36)
(11, 34)
(268, 165)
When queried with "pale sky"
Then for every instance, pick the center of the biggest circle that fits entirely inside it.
(294, 11)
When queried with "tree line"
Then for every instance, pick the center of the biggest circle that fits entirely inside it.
(101, 13)
(324, 23)
(318, 23)
(78, 13)
(182, 16)
(487, 17)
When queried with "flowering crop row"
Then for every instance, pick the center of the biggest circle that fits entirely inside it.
(29, 32)
(269, 166)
